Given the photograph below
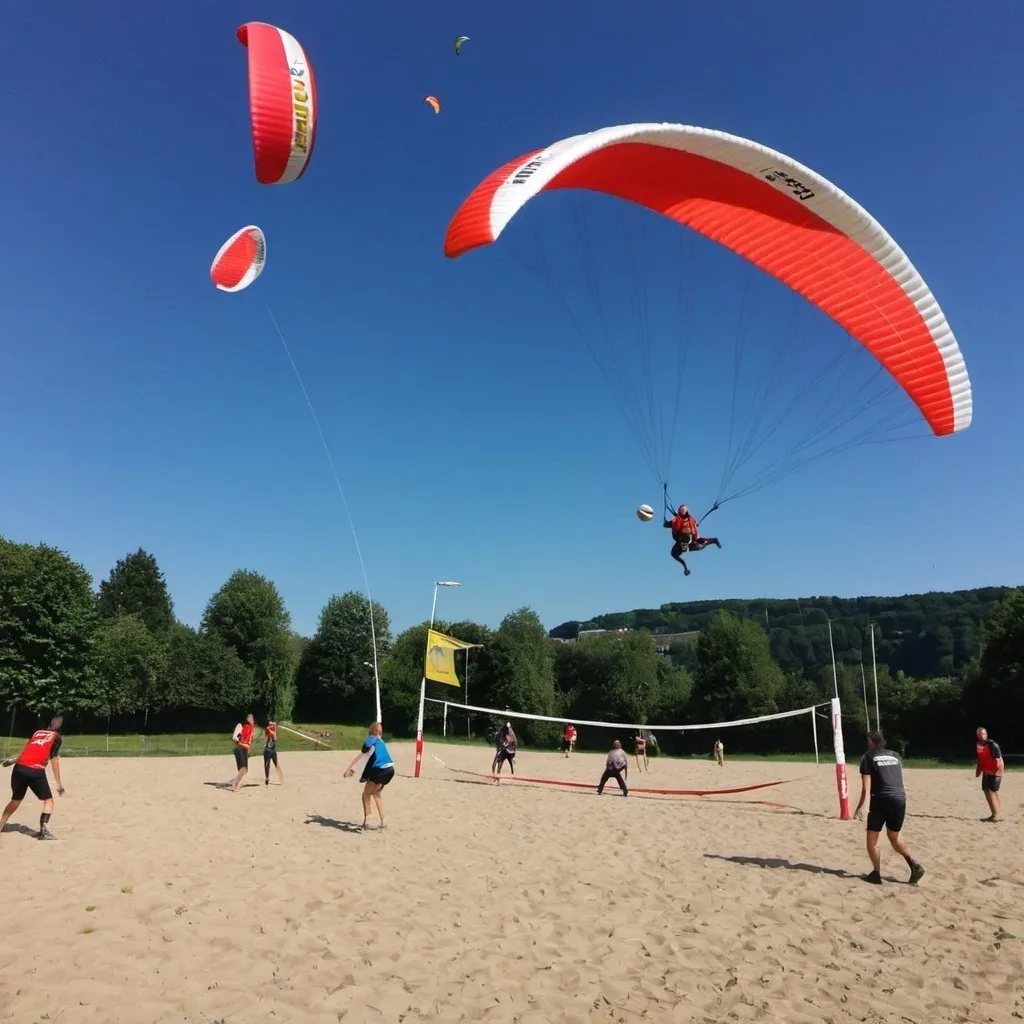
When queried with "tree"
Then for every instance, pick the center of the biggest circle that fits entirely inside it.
(335, 679)
(248, 615)
(136, 586)
(997, 692)
(611, 678)
(736, 675)
(129, 666)
(401, 673)
(522, 668)
(201, 672)
(47, 620)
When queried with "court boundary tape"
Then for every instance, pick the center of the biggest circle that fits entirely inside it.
(490, 777)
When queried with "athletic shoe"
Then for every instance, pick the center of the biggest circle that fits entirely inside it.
(916, 874)
(45, 833)
(874, 878)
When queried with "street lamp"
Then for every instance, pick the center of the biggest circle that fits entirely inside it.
(423, 679)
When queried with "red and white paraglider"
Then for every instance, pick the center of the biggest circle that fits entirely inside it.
(240, 260)
(282, 103)
(774, 212)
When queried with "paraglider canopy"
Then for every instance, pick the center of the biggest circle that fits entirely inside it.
(776, 213)
(434, 102)
(282, 103)
(240, 260)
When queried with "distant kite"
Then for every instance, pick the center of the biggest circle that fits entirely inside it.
(282, 103)
(434, 102)
(458, 44)
(240, 260)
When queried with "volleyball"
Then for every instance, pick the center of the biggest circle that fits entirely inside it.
(645, 513)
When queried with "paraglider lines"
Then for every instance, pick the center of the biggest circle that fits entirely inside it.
(341, 491)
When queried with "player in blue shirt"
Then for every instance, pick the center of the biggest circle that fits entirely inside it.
(378, 771)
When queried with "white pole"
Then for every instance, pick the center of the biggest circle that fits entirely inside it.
(423, 680)
(373, 641)
(832, 650)
(814, 727)
(864, 690)
(837, 744)
(874, 672)
(423, 694)
(444, 720)
(469, 731)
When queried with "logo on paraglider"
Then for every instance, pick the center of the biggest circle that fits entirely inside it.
(526, 171)
(300, 104)
(798, 188)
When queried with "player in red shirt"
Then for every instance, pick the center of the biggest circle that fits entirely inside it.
(29, 772)
(685, 535)
(270, 753)
(243, 741)
(990, 768)
(569, 739)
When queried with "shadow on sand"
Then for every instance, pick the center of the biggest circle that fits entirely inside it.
(781, 862)
(341, 826)
(25, 830)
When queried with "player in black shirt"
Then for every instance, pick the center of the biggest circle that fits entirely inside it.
(881, 776)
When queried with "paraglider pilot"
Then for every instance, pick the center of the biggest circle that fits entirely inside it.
(685, 535)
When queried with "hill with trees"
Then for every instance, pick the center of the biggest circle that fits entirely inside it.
(920, 635)
(115, 658)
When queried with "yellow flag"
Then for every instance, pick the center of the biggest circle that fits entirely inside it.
(439, 664)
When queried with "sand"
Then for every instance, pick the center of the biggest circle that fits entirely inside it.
(167, 899)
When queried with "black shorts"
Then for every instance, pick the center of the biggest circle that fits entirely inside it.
(885, 812)
(506, 755)
(241, 757)
(991, 783)
(270, 755)
(23, 779)
(379, 776)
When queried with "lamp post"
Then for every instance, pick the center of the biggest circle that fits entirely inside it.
(423, 680)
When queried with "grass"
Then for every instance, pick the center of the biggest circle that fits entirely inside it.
(343, 737)
(350, 738)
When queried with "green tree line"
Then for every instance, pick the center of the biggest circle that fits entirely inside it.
(116, 657)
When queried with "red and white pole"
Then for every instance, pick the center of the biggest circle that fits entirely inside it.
(837, 741)
(419, 728)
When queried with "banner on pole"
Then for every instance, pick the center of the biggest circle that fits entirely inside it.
(439, 662)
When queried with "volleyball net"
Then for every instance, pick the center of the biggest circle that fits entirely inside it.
(548, 731)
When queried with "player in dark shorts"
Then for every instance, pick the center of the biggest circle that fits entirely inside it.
(881, 776)
(990, 768)
(242, 737)
(378, 771)
(506, 750)
(270, 753)
(29, 772)
(640, 751)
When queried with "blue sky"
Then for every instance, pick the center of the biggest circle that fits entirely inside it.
(139, 406)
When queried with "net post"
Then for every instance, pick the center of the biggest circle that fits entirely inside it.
(837, 743)
(814, 729)
(444, 720)
(419, 729)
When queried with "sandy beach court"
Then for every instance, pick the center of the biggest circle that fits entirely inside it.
(168, 899)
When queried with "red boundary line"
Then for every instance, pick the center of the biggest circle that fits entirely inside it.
(632, 789)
